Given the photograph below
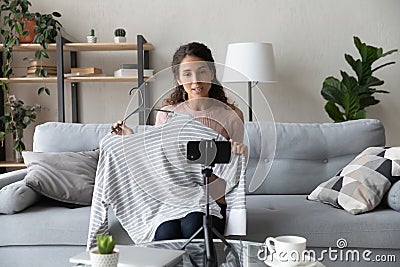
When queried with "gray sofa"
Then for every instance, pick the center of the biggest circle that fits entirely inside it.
(303, 156)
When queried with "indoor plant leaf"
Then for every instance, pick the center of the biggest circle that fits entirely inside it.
(334, 113)
(331, 90)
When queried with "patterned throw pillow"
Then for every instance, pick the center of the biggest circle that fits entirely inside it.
(360, 186)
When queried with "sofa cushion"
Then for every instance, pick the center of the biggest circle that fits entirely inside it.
(63, 176)
(73, 137)
(63, 137)
(306, 154)
(322, 225)
(361, 185)
(49, 223)
(11, 177)
(393, 197)
(16, 197)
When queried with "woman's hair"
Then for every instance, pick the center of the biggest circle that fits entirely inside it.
(201, 51)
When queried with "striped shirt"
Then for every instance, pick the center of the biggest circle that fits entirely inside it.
(146, 180)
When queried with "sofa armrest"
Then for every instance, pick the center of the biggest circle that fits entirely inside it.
(11, 177)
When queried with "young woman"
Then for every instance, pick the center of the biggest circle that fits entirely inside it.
(199, 94)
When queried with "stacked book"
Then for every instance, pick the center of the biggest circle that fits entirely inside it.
(89, 71)
(49, 66)
(131, 70)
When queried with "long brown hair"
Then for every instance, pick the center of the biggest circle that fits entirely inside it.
(201, 51)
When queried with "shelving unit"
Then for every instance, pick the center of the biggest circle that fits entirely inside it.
(62, 45)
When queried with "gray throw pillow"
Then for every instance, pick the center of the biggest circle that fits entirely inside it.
(64, 176)
(393, 198)
(16, 197)
(360, 186)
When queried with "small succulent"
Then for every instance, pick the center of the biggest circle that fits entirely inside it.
(105, 244)
(120, 32)
(92, 32)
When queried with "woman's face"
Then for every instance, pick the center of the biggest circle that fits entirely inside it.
(195, 76)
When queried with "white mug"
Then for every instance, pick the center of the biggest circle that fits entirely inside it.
(285, 249)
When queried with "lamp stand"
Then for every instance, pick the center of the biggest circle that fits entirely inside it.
(249, 88)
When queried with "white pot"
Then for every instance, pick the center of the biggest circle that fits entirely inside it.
(119, 39)
(104, 260)
(91, 39)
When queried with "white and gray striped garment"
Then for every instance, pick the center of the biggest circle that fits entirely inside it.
(146, 180)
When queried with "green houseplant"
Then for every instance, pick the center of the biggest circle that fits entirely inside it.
(105, 255)
(15, 14)
(119, 35)
(91, 38)
(348, 98)
(16, 118)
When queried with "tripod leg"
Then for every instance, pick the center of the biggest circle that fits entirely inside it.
(221, 237)
(192, 237)
(226, 243)
(210, 257)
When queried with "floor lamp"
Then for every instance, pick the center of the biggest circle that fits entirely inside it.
(251, 63)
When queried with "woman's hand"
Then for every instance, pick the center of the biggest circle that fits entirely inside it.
(120, 128)
(239, 148)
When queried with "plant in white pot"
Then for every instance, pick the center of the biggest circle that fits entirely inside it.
(91, 38)
(105, 255)
(119, 35)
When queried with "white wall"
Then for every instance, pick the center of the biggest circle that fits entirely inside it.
(309, 37)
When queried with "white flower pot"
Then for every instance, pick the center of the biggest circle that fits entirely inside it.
(104, 260)
(91, 39)
(119, 39)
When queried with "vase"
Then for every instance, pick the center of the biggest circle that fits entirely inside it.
(91, 39)
(30, 28)
(18, 156)
(18, 145)
(119, 39)
(104, 260)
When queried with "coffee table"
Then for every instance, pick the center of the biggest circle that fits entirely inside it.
(244, 253)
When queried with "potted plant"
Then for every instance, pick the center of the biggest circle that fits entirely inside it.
(16, 118)
(119, 35)
(348, 98)
(105, 255)
(91, 38)
(16, 14)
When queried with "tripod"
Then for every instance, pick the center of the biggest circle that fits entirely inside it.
(210, 255)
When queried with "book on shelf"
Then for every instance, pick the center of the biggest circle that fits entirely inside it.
(42, 63)
(49, 70)
(33, 75)
(128, 66)
(79, 74)
(31, 70)
(132, 73)
(89, 70)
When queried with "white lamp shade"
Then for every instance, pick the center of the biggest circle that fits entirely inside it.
(249, 62)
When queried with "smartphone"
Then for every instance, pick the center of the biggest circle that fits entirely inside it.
(208, 152)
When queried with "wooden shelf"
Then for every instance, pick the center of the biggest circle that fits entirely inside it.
(105, 46)
(11, 164)
(30, 47)
(71, 79)
(83, 47)
(29, 80)
(102, 79)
